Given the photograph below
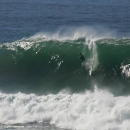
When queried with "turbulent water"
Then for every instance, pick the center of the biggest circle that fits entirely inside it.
(44, 82)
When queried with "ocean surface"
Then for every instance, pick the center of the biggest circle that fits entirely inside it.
(44, 83)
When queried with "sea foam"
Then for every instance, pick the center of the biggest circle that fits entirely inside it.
(97, 110)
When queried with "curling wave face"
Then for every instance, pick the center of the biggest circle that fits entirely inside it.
(49, 63)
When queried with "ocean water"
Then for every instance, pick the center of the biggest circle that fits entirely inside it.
(44, 85)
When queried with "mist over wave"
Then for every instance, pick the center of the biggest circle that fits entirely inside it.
(74, 33)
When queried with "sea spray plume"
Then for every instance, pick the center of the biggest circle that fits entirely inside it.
(74, 33)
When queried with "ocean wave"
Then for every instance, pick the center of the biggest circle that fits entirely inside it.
(48, 63)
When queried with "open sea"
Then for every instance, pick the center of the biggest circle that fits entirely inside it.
(44, 83)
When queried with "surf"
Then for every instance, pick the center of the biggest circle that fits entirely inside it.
(65, 110)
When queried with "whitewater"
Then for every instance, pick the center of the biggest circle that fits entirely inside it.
(97, 110)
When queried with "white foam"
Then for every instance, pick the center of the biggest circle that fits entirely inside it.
(98, 110)
(126, 70)
(23, 44)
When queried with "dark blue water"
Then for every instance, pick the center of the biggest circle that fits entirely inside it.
(23, 18)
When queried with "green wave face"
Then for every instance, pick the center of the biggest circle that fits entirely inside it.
(50, 66)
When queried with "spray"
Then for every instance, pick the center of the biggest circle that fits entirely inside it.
(92, 62)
